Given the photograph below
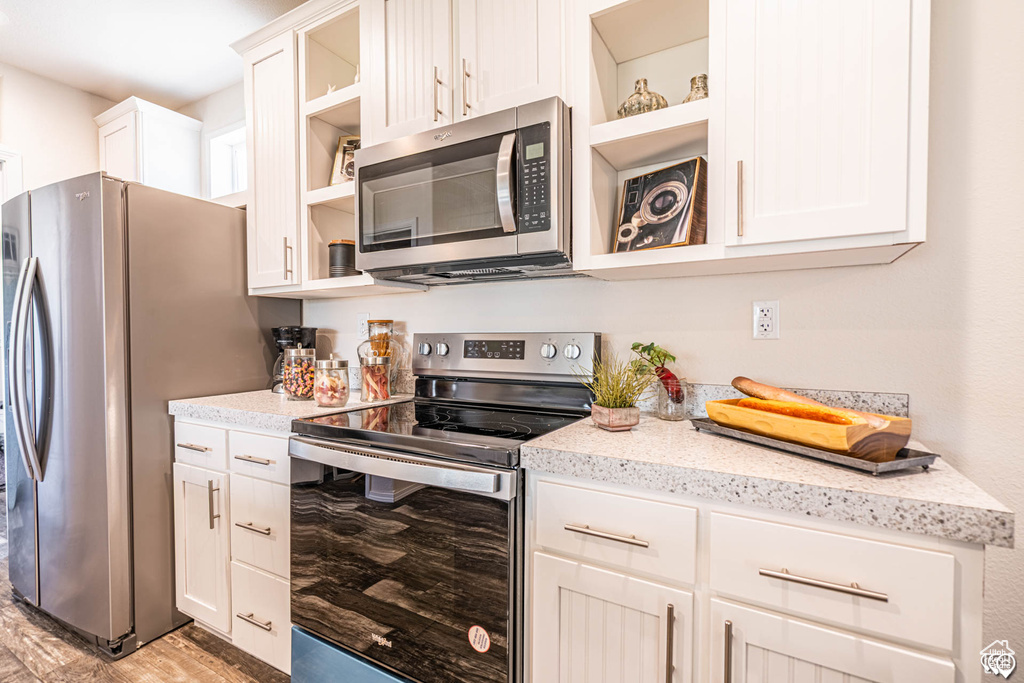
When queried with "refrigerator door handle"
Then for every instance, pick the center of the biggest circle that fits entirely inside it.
(21, 404)
(15, 372)
(34, 290)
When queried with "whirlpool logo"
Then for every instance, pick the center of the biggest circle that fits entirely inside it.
(380, 640)
(443, 136)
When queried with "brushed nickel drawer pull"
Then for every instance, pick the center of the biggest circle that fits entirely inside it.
(265, 625)
(670, 627)
(210, 488)
(739, 198)
(437, 82)
(852, 589)
(249, 526)
(727, 678)
(466, 106)
(254, 460)
(587, 531)
(194, 447)
(288, 259)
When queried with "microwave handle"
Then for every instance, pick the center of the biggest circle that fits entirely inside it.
(504, 182)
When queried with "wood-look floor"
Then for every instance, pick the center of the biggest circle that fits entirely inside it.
(33, 647)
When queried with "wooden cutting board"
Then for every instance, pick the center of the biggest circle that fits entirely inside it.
(859, 441)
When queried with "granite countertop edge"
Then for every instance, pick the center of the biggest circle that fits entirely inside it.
(262, 410)
(970, 524)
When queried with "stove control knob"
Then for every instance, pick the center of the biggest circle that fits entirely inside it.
(425, 349)
(441, 349)
(548, 351)
(571, 351)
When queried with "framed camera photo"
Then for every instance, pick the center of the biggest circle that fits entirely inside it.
(344, 159)
(664, 208)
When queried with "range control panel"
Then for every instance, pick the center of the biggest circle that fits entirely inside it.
(555, 355)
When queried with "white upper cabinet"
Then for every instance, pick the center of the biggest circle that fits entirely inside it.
(508, 52)
(411, 87)
(818, 118)
(272, 212)
(145, 143)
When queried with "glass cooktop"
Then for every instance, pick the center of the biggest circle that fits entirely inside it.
(474, 433)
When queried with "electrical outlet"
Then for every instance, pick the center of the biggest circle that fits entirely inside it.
(364, 326)
(766, 320)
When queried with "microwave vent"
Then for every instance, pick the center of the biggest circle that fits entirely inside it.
(478, 272)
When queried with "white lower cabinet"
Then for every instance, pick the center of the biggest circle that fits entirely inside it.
(753, 646)
(777, 598)
(233, 551)
(262, 615)
(593, 625)
(202, 545)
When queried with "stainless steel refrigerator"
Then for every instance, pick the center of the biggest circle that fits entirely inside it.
(117, 298)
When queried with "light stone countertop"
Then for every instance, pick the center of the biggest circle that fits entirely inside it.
(263, 409)
(673, 457)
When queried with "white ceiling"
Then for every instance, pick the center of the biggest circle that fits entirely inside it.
(171, 52)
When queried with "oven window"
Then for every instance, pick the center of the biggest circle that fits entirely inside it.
(437, 197)
(413, 577)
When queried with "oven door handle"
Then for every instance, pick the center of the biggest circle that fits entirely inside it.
(404, 467)
(503, 179)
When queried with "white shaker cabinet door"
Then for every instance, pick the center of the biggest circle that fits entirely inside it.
(411, 83)
(762, 647)
(590, 624)
(817, 118)
(119, 147)
(508, 53)
(272, 211)
(202, 545)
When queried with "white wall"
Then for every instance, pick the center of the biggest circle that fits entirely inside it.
(222, 108)
(50, 124)
(944, 324)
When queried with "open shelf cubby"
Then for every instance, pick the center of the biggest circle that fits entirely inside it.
(664, 41)
(327, 120)
(332, 55)
(326, 224)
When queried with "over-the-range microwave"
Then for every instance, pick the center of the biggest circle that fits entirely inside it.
(482, 199)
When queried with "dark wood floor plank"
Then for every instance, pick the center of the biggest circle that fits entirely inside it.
(40, 643)
(248, 667)
(11, 668)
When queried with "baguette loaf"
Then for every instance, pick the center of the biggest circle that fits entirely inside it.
(770, 393)
(802, 410)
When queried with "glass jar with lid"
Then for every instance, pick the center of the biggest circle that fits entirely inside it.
(299, 373)
(375, 375)
(330, 386)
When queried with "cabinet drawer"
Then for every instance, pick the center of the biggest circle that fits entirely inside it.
(200, 445)
(258, 455)
(632, 533)
(261, 616)
(260, 523)
(917, 585)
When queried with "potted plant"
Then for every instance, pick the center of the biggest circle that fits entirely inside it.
(672, 390)
(617, 385)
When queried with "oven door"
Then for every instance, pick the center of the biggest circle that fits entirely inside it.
(408, 561)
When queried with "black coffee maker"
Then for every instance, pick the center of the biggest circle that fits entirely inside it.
(289, 337)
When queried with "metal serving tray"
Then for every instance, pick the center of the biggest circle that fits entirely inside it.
(905, 459)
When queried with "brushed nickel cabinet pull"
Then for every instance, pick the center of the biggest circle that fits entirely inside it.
(194, 447)
(739, 198)
(465, 93)
(727, 678)
(852, 589)
(287, 259)
(265, 625)
(254, 460)
(587, 531)
(249, 526)
(670, 624)
(210, 489)
(437, 82)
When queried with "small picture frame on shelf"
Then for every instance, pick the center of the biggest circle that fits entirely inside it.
(345, 160)
(664, 208)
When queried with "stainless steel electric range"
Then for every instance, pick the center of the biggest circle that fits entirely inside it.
(407, 533)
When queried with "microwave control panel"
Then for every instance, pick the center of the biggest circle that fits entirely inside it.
(535, 178)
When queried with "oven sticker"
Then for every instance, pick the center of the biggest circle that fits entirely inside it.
(479, 639)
